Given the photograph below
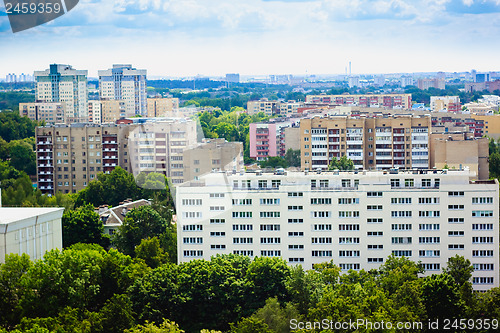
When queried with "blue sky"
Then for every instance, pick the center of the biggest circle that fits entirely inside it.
(213, 37)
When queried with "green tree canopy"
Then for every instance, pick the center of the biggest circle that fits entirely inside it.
(83, 226)
(342, 164)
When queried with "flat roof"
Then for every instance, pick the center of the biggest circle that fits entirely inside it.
(12, 214)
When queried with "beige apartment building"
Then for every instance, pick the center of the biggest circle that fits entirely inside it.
(371, 143)
(212, 155)
(460, 150)
(106, 111)
(50, 112)
(268, 107)
(70, 156)
(163, 107)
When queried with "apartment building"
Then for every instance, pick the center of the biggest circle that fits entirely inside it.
(106, 111)
(266, 138)
(289, 108)
(355, 219)
(445, 104)
(157, 145)
(162, 107)
(396, 101)
(212, 154)
(70, 156)
(63, 84)
(50, 112)
(95, 112)
(123, 82)
(460, 150)
(268, 107)
(371, 143)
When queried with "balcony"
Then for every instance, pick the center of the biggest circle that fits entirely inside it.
(109, 157)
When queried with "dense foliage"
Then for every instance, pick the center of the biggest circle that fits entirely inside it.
(86, 289)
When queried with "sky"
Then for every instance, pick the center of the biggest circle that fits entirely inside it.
(178, 38)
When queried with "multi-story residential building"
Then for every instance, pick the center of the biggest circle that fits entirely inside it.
(265, 139)
(123, 82)
(233, 77)
(289, 139)
(63, 84)
(397, 101)
(50, 112)
(353, 81)
(268, 107)
(69, 157)
(162, 107)
(460, 150)
(355, 219)
(445, 104)
(212, 154)
(425, 84)
(289, 108)
(158, 146)
(405, 81)
(30, 230)
(95, 112)
(371, 143)
(112, 110)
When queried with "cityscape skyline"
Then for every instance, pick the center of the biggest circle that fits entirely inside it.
(258, 37)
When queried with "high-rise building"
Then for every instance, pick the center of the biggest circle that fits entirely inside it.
(233, 77)
(397, 101)
(50, 112)
(63, 84)
(353, 81)
(425, 84)
(355, 219)
(371, 143)
(122, 82)
(265, 139)
(95, 113)
(405, 81)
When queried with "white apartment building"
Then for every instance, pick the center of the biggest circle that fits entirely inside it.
(62, 83)
(30, 230)
(356, 219)
(95, 112)
(122, 82)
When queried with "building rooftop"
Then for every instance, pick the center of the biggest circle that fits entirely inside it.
(12, 214)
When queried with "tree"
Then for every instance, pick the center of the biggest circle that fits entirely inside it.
(441, 297)
(274, 162)
(493, 148)
(151, 252)
(166, 326)
(292, 157)
(343, 164)
(460, 269)
(140, 223)
(22, 156)
(494, 160)
(83, 226)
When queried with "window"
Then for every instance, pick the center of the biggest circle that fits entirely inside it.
(348, 227)
(482, 240)
(374, 220)
(482, 253)
(242, 227)
(401, 213)
(483, 267)
(426, 183)
(429, 213)
(402, 253)
(375, 233)
(482, 226)
(375, 247)
(428, 227)
(429, 240)
(191, 215)
(295, 247)
(322, 227)
(482, 213)
(269, 214)
(401, 240)
(348, 214)
(349, 253)
(269, 227)
(394, 182)
(348, 201)
(321, 201)
(295, 208)
(192, 240)
(244, 252)
(482, 200)
(455, 220)
(192, 202)
(455, 207)
(409, 182)
(217, 234)
(429, 253)
(295, 220)
(218, 247)
(321, 253)
(217, 221)
(295, 260)
(270, 240)
(404, 227)
(321, 214)
(242, 215)
(434, 200)
(295, 234)
(295, 194)
(242, 240)
(193, 253)
(456, 194)
(321, 240)
(242, 202)
(374, 207)
(217, 195)
(348, 240)
(346, 183)
(455, 233)
(346, 267)
(375, 260)
(270, 201)
(482, 280)
(431, 267)
(374, 194)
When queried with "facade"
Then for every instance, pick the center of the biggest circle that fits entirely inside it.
(162, 107)
(405, 81)
(30, 230)
(371, 143)
(122, 82)
(50, 112)
(290, 139)
(289, 108)
(112, 110)
(95, 112)
(268, 107)
(445, 104)
(397, 101)
(458, 151)
(266, 139)
(233, 77)
(63, 84)
(213, 154)
(355, 219)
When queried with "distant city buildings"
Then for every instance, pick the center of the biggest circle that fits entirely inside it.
(269, 108)
(63, 84)
(233, 78)
(13, 78)
(405, 81)
(425, 84)
(397, 101)
(123, 82)
(445, 104)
